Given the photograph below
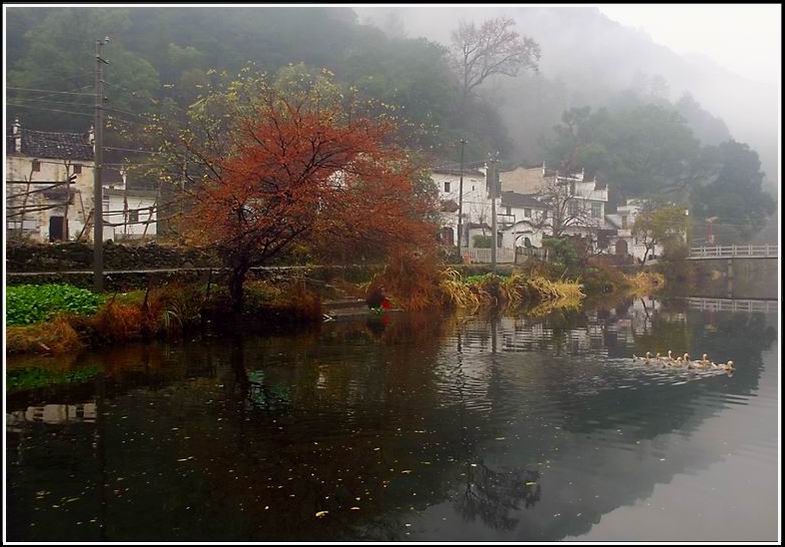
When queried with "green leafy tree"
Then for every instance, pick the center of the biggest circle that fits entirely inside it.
(735, 193)
(667, 226)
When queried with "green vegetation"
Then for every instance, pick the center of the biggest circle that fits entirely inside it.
(163, 312)
(159, 65)
(22, 379)
(482, 242)
(648, 150)
(27, 304)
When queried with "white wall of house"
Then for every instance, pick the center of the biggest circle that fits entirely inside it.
(476, 203)
(36, 224)
(114, 205)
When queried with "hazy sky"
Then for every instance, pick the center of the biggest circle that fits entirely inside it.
(744, 38)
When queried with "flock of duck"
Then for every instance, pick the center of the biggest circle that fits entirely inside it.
(684, 362)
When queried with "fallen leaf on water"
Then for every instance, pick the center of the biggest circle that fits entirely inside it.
(355, 508)
(321, 514)
(406, 471)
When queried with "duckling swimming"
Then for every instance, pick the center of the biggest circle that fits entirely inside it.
(646, 358)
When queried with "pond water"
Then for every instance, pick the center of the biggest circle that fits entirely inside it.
(410, 427)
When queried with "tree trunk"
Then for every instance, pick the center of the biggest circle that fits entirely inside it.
(236, 283)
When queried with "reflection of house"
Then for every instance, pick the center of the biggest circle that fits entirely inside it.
(54, 414)
(42, 205)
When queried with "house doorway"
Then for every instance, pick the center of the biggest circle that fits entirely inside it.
(55, 228)
(621, 247)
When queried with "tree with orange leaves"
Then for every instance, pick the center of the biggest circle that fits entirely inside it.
(268, 169)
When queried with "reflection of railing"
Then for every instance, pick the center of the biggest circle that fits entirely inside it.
(734, 251)
(730, 304)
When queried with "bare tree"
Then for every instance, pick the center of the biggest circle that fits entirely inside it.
(493, 48)
(564, 209)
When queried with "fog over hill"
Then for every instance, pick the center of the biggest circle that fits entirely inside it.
(587, 59)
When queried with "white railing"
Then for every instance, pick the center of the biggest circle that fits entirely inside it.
(735, 251)
(483, 256)
(730, 304)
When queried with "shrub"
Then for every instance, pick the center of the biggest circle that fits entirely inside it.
(482, 242)
(27, 304)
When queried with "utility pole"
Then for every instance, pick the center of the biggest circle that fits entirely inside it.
(460, 203)
(493, 192)
(98, 217)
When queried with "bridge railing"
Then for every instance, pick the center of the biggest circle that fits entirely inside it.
(735, 251)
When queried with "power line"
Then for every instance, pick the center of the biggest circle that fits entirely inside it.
(140, 116)
(52, 101)
(50, 91)
(49, 109)
(130, 150)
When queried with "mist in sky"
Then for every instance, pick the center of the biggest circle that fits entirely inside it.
(726, 57)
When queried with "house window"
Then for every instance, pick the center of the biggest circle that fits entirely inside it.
(527, 212)
(105, 202)
(624, 222)
(596, 209)
(499, 239)
(509, 210)
(446, 186)
(573, 208)
(36, 166)
(572, 188)
(133, 216)
(77, 169)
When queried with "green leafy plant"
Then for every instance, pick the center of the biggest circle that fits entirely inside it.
(27, 304)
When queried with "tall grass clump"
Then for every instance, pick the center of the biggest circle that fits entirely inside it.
(56, 336)
(28, 304)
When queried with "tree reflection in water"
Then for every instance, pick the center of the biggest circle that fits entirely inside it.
(493, 495)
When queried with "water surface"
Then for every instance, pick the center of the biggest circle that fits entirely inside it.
(414, 427)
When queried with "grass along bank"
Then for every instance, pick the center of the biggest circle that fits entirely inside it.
(56, 319)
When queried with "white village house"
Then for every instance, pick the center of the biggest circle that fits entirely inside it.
(525, 212)
(41, 205)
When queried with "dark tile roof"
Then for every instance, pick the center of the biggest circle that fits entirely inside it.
(46, 144)
(514, 199)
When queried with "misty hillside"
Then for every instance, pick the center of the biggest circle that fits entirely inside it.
(596, 95)
(588, 58)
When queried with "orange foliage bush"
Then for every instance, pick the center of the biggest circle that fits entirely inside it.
(118, 322)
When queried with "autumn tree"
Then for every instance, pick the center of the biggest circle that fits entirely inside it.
(266, 169)
(495, 47)
(667, 226)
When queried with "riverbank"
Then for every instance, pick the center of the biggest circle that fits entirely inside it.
(59, 318)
